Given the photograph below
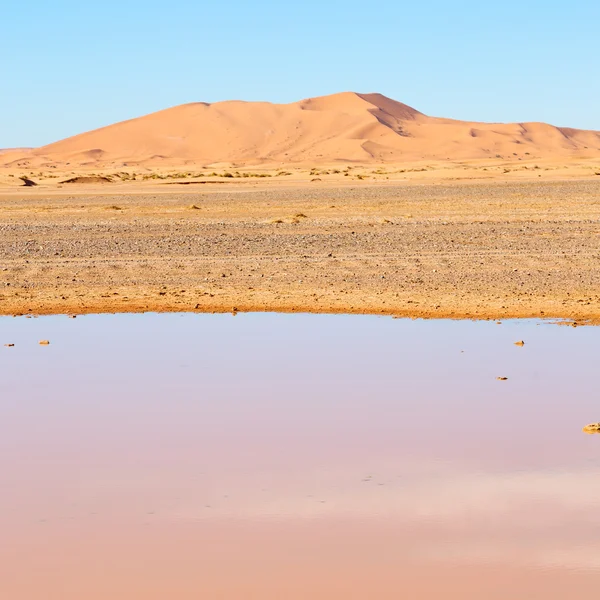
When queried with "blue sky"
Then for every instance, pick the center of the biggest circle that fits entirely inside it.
(66, 66)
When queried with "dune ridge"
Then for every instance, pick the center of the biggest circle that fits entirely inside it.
(345, 127)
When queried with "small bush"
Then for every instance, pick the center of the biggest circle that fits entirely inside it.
(27, 182)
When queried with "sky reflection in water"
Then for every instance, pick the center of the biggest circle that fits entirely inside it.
(269, 456)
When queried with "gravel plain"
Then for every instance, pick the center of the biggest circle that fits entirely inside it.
(459, 250)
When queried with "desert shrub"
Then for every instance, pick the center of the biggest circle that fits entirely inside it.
(27, 182)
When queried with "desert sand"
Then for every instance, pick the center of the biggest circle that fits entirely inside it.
(416, 248)
(345, 203)
(341, 128)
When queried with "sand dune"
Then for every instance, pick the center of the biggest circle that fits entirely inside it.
(13, 153)
(346, 127)
(7, 150)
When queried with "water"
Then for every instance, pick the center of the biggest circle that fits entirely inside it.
(297, 456)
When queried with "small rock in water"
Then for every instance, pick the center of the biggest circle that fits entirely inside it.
(501, 378)
(592, 428)
(520, 343)
(44, 343)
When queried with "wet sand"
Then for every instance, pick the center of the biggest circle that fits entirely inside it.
(474, 250)
(292, 456)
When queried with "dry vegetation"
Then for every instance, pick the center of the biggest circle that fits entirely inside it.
(504, 169)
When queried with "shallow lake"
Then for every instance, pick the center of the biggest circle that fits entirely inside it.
(283, 457)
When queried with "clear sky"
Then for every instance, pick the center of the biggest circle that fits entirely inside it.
(68, 66)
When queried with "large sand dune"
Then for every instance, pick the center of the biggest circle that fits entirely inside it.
(348, 127)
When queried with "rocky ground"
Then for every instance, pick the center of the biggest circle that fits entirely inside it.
(482, 250)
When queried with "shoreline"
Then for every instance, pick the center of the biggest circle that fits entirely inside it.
(572, 319)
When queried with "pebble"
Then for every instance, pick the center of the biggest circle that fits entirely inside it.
(592, 428)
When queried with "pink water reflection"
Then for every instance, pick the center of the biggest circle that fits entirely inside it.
(296, 456)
